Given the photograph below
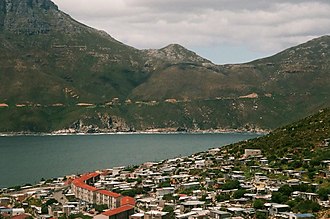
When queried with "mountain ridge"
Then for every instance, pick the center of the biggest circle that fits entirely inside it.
(61, 62)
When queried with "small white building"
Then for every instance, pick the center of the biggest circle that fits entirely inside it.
(252, 152)
(165, 191)
(154, 214)
(275, 208)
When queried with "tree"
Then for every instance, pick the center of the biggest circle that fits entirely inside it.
(51, 201)
(304, 188)
(258, 204)
(239, 193)
(170, 211)
(280, 198)
(286, 190)
(100, 208)
(168, 208)
(307, 206)
(261, 215)
(221, 198)
(44, 207)
(139, 180)
(231, 184)
(166, 183)
(132, 193)
(170, 197)
(323, 193)
(293, 202)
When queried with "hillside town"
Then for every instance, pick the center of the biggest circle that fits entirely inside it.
(213, 184)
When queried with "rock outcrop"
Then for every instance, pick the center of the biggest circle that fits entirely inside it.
(26, 16)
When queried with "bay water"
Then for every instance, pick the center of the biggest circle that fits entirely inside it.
(27, 159)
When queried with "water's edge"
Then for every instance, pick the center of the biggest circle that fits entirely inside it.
(217, 131)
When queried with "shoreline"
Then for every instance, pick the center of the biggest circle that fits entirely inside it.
(146, 132)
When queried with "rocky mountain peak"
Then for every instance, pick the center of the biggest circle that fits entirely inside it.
(25, 16)
(175, 53)
(174, 47)
(24, 5)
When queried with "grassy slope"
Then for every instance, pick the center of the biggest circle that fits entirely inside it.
(302, 139)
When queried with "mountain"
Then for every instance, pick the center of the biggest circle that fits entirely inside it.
(48, 57)
(306, 138)
(57, 73)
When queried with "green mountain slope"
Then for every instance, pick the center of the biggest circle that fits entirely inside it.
(304, 139)
(48, 57)
(50, 64)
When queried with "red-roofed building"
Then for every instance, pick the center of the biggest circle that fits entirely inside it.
(122, 212)
(21, 216)
(122, 207)
(112, 199)
(127, 201)
(82, 190)
(90, 178)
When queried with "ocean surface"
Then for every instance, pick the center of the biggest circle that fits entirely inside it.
(27, 159)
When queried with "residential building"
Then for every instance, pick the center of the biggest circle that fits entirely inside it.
(252, 152)
(123, 212)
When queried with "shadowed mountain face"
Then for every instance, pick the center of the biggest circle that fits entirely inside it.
(48, 59)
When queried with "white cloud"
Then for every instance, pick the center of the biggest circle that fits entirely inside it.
(260, 25)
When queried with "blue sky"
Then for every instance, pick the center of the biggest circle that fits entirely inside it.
(224, 31)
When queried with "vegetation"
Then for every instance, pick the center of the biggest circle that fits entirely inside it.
(304, 206)
(170, 197)
(261, 215)
(258, 204)
(297, 142)
(239, 193)
(278, 197)
(164, 184)
(170, 211)
(189, 191)
(324, 192)
(44, 207)
(132, 193)
(231, 184)
(223, 197)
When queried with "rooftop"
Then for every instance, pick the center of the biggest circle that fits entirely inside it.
(118, 210)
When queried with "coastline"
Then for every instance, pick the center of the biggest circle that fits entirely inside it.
(143, 132)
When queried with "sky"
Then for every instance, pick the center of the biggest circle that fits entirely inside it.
(223, 31)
